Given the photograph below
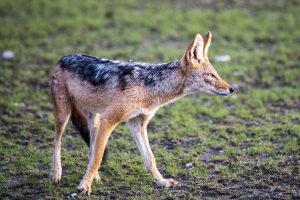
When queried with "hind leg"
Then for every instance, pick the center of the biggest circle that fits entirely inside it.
(93, 124)
(62, 113)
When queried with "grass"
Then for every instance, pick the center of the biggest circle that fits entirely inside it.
(242, 146)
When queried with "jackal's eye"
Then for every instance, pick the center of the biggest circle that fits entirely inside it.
(211, 75)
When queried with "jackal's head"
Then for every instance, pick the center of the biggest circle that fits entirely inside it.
(201, 75)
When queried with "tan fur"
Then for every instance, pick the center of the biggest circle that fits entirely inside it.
(106, 107)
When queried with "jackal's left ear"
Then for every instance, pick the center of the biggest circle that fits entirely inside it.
(194, 52)
(207, 40)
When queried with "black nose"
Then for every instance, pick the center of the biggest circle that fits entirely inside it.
(231, 90)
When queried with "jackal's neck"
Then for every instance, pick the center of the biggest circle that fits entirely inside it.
(171, 85)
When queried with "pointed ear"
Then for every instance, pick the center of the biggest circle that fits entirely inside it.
(194, 52)
(207, 40)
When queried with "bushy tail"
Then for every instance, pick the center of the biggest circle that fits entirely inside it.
(80, 123)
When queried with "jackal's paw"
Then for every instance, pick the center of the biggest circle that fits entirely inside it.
(84, 189)
(97, 178)
(167, 183)
(55, 174)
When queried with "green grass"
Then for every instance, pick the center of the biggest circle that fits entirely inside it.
(242, 146)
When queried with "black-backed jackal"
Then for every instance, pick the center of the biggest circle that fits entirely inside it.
(98, 93)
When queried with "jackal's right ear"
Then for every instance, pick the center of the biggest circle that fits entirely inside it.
(194, 53)
(207, 40)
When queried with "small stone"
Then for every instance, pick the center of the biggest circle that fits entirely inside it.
(223, 58)
(188, 165)
(74, 195)
(7, 54)
(22, 105)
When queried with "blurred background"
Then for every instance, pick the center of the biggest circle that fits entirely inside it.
(242, 146)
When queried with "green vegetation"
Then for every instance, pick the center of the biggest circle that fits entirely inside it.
(242, 146)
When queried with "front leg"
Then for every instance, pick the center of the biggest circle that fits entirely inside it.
(106, 127)
(138, 127)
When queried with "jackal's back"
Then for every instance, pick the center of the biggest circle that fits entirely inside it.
(95, 70)
(98, 71)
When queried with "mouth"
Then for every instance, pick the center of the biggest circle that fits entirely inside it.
(219, 93)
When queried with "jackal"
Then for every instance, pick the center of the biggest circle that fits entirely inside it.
(98, 93)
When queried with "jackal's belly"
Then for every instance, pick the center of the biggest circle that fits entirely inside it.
(137, 112)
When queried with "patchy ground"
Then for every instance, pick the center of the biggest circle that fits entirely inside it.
(239, 147)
